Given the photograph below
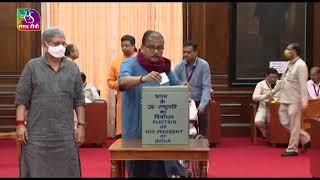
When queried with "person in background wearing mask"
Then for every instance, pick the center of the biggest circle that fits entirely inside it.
(293, 98)
(313, 85)
(50, 88)
(196, 71)
(263, 88)
(72, 52)
(128, 49)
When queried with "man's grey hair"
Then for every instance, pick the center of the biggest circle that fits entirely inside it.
(50, 33)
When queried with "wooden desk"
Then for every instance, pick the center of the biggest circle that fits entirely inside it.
(132, 149)
(315, 148)
(312, 111)
(276, 134)
(96, 127)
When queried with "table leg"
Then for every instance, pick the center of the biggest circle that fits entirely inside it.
(203, 169)
(117, 168)
(122, 173)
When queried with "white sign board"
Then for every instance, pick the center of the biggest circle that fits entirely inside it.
(280, 66)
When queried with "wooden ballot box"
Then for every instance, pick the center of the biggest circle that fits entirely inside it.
(96, 127)
(165, 115)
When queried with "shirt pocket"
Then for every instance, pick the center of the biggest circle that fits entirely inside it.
(293, 77)
(66, 85)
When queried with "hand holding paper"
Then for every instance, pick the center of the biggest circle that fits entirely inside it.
(164, 78)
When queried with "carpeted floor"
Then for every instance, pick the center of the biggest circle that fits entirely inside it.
(233, 157)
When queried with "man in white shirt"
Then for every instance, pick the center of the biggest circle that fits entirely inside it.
(313, 85)
(90, 92)
(260, 94)
(293, 99)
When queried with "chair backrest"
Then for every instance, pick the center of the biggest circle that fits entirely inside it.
(313, 109)
(249, 110)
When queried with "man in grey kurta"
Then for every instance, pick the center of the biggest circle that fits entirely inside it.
(50, 93)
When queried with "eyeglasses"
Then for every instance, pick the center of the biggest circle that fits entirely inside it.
(153, 48)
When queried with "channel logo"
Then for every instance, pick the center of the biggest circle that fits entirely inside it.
(28, 20)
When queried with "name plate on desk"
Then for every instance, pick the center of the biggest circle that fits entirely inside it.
(165, 115)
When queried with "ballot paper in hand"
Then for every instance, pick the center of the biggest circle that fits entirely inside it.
(164, 78)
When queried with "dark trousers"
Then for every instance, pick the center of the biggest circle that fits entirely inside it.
(203, 121)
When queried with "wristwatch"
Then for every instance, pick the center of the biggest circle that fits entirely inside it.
(82, 124)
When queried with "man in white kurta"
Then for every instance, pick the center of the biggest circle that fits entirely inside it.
(293, 98)
(263, 88)
(313, 85)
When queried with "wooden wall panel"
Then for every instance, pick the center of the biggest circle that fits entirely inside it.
(316, 34)
(9, 39)
(17, 48)
(195, 13)
(217, 37)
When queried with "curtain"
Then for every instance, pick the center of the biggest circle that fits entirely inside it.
(96, 29)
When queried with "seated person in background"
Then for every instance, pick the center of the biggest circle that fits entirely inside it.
(260, 94)
(90, 92)
(72, 52)
(313, 85)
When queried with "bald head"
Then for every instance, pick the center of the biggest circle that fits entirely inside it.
(315, 74)
(148, 35)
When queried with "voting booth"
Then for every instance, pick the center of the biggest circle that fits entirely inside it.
(165, 115)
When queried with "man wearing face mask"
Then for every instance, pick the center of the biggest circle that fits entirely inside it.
(50, 88)
(293, 98)
(263, 88)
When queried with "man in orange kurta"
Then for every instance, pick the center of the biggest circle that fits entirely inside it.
(129, 50)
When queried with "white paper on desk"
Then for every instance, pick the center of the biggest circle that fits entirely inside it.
(164, 78)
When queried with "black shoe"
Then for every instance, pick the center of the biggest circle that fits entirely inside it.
(289, 153)
(118, 136)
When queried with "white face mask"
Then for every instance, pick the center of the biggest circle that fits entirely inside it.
(57, 51)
